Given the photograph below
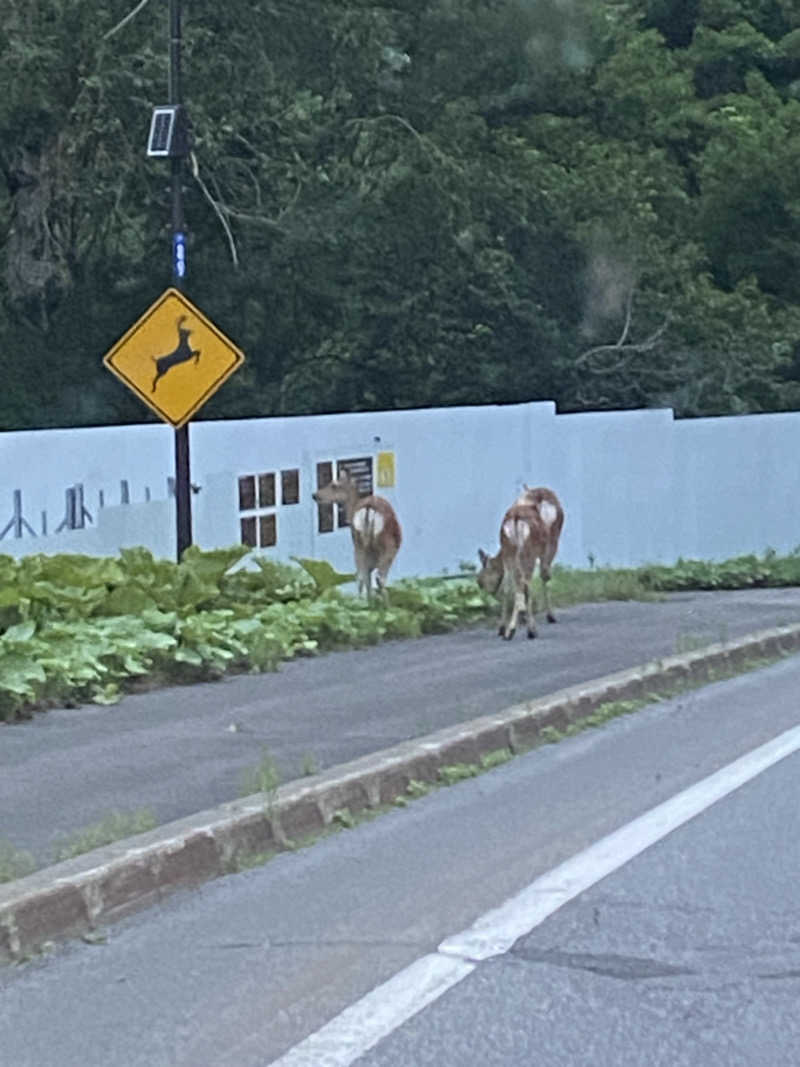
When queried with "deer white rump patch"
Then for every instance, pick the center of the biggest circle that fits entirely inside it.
(517, 531)
(547, 512)
(368, 521)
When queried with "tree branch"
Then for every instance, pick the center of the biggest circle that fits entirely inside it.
(131, 15)
(218, 210)
(621, 346)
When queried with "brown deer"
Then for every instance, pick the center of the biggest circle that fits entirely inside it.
(530, 531)
(373, 524)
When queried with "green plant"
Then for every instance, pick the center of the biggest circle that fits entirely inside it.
(496, 758)
(689, 642)
(310, 765)
(457, 772)
(263, 778)
(415, 788)
(74, 629)
(111, 828)
(14, 862)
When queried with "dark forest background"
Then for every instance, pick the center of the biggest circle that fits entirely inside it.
(410, 203)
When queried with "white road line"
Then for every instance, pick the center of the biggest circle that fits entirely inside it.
(376, 1015)
(361, 1026)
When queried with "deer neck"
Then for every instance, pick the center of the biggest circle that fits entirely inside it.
(351, 502)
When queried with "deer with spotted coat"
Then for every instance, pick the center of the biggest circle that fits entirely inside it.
(376, 532)
(529, 532)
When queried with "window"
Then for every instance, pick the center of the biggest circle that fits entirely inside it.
(248, 531)
(256, 493)
(267, 530)
(290, 487)
(266, 490)
(325, 522)
(247, 493)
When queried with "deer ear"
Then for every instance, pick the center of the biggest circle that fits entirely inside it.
(482, 557)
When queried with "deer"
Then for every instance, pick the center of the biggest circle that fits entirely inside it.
(376, 532)
(529, 532)
(181, 354)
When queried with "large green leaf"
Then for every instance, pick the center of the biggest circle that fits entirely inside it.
(324, 575)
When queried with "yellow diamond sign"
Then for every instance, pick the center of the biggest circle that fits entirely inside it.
(174, 358)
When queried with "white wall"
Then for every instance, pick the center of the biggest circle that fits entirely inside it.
(636, 486)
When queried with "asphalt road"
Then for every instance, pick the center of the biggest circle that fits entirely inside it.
(688, 954)
(181, 750)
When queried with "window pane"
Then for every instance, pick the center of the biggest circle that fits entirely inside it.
(248, 528)
(324, 511)
(290, 487)
(247, 493)
(324, 474)
(266, 490)
(360, 472)
(267, 530)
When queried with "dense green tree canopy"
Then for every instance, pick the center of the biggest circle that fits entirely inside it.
(410, 202)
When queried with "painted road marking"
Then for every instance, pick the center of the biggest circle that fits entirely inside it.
(361, 1026)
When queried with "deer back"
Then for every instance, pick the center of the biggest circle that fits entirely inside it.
(524, 538)
(550, 512)
(375, 526)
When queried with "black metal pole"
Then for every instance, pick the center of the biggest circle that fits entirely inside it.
(183, 497)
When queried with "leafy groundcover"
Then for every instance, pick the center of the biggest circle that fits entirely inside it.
(77, 629)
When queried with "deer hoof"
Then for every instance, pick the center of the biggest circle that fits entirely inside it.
(551, 617)
(509, 634)
(531, 634)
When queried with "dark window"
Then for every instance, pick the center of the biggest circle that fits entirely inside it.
(360, 472)
(267, 530)
(256, 493)
(324, 511)
(266, 490)
(247, 493)
(290, 487)
(248, 528)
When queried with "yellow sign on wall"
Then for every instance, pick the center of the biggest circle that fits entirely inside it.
(174, 358)
(386, 473)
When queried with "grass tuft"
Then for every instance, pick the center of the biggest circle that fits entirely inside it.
(113, 827)
(14, 863)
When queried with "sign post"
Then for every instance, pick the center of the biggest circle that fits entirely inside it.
(174, 358)
(183, 495)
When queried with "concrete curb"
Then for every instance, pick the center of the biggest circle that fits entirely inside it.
(75, 897)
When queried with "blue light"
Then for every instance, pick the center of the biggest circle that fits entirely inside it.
(179, 254)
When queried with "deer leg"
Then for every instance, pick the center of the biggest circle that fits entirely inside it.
(529, 610)
(381, 573)
(506, 607)
(362, 569)
(518, 608)
(545, 572)
(518, 605)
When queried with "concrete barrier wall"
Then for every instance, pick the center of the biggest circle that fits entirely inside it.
(637, 486)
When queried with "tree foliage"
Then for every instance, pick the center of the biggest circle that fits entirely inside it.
(408, 203)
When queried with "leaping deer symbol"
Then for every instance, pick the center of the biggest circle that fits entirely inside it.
(181, 354)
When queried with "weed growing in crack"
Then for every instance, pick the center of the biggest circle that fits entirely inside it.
(105, 831)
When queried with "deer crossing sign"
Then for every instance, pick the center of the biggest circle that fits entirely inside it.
(174, 358)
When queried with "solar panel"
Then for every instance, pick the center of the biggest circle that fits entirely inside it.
(163, 120)
(167, 132)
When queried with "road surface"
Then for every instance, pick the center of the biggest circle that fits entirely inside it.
(180, 750)
(688, 953)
